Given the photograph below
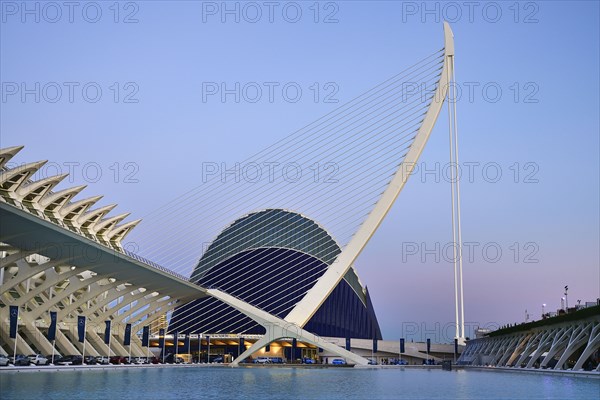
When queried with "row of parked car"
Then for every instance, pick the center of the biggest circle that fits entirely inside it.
(39, 359)
(392, 362)
(268, 360)
(279, 360)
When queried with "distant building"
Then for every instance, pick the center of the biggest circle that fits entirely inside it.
(270, 259)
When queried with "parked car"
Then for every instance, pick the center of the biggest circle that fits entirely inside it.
(115, 360)
(70, 360)
(372, 362)
(52, 359)
(338, 361)
(21, 360)
(401, 362)
(172, 359)
(119, 360)
(90, 360)
(38, 359)
(102, 360)
(262, 360)
(3, 360)
(307, 360)
(77, 360)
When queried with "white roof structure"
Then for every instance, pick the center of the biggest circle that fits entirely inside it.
(59, 254)
(16, 186)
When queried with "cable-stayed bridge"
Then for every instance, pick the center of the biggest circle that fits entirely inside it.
(62, 255)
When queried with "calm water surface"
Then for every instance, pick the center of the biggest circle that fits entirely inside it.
(292, 383)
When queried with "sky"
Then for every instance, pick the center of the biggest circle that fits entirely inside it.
(127, 98)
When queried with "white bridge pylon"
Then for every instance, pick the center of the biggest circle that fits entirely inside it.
(291, 325)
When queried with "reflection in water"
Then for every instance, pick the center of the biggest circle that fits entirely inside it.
(291, 383)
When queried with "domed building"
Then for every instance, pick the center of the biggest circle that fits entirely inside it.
(270, 259)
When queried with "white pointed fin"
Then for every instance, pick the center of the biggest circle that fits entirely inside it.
(108, 223)
(34, 191)
(55, 200)
(73, 210)
(7, 153)
(11, 179)
(88, 219)
(119, 232)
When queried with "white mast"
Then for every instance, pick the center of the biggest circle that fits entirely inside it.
(455, 202)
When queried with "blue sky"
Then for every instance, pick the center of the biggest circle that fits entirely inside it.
(540, 130)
